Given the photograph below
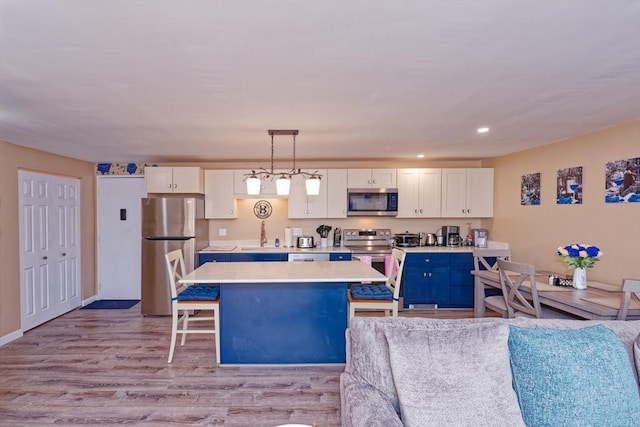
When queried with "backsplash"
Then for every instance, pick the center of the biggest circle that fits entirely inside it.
(247, 225)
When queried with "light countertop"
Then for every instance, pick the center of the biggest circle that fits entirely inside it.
(252, 248)
(283, 272)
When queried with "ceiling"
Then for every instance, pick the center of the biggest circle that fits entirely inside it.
(164, 81)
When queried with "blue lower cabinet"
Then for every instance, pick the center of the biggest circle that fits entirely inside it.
(438, 278)
(461, 292)
(340, 256)
(281, 323)
(258, 257)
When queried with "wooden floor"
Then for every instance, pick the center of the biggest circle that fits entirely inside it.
(109, 367)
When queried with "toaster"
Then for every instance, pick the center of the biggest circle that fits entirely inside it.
(305, 242)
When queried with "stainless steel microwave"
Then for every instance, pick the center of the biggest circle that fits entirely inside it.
(372, 202)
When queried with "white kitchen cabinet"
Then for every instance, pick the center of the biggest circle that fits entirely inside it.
(419, 193)
(303, 206)
(371, 178)
(267, 185)
(219, 198)
(179, 179)
(336, 183)
(467, 193)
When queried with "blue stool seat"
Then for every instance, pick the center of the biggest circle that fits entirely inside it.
(380, 292)
(199, 293)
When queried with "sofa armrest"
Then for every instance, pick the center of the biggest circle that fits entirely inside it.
(365, 406)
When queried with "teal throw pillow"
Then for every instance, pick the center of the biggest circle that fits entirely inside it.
(573, 377)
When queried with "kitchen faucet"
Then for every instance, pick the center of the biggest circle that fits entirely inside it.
(263, 235)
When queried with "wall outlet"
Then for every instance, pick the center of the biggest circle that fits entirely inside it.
(296, 231)
(222, 232)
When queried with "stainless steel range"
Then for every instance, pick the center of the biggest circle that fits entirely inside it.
(375, 243)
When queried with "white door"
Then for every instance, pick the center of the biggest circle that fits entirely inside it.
(49, 225)
(119, 230)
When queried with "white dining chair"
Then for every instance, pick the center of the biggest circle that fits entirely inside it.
(379, 297)
(486, 260)
(188, 299)
(629, 287)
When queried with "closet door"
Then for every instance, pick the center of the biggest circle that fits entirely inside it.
(49, 246)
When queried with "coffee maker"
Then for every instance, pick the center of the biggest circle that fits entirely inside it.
(451, 234)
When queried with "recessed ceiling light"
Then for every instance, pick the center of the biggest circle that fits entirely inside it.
(483, 130)
(420, 156)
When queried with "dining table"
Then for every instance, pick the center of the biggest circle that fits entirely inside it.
(598, 301)
(283, 312)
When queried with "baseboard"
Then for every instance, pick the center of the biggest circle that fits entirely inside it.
(89, 300)
(10, 337)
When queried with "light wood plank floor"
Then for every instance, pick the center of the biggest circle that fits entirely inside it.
(109, 367)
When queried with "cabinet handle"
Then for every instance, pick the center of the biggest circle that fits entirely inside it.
(415, 210)
(169, 186)
(175, 185)
(427, 260)
(429, 274)
(45, 257)
(420, 210)
(64, 254)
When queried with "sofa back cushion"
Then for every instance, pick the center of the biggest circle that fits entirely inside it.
(573, 377)
(454, 376)
(368, 350)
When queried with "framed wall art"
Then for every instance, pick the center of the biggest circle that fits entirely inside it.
(569, 188)
(530, 189)
(622, 181)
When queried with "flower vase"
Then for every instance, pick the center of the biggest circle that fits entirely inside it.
(580, 278)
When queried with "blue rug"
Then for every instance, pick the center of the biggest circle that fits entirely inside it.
(110, 304)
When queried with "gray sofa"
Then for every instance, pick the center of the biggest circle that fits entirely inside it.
(491, 371)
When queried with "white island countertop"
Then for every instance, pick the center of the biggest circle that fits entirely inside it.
(284, 272)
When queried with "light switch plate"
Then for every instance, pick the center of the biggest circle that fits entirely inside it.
(296, 231)
(222, 232)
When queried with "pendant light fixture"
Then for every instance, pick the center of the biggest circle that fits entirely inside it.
(283, 182)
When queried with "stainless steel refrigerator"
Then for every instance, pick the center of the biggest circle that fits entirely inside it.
(168, 223)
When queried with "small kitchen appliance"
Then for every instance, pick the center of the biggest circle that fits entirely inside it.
(480, 237)
(407, 240)
(451, 235)
(337, 237)
(430, 239)
(305, 242)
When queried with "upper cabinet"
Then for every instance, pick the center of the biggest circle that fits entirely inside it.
(182, 179)
(371, 178)
(303, 206)
(219, 197)
(336, 183)
(467, 193)
(419, 193)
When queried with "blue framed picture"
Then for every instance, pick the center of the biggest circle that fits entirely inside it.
(622, 181)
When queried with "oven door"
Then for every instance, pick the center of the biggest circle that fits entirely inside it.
(377, 260)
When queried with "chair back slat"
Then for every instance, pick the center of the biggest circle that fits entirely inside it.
(512, 277)
(175, 269)
(481, 258)
(629, 286)
(394, 275)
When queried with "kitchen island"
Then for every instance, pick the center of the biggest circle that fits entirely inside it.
(283, 312)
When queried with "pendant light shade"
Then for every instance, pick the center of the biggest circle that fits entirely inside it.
(313, 185)
(253, 185)
(283, 184)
